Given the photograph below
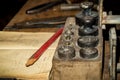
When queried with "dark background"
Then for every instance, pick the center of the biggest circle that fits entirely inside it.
(8, 8)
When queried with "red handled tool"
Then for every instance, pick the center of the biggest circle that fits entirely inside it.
(41, 50)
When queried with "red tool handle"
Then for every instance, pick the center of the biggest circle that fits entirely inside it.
(40, 51)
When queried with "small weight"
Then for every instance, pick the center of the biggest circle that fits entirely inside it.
(66, 52)
(88, 53)
(88, 41)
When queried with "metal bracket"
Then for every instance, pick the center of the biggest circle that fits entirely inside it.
(112, 62)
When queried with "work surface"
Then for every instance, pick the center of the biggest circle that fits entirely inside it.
(21, 16)
(19, 51)
(50, 13)
(16, 48)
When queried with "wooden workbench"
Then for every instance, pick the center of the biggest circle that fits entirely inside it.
(54, 12)
(22, 16)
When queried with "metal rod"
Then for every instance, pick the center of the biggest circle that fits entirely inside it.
(111, 19)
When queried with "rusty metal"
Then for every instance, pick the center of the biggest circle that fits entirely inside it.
(88, 53)
(87, 19)
(118, 67)
(82, 37)
(107, 19)
(88, 41)
(74, 6)
(70, 6)
(113, 45)
(100, 12)
(111, 19)
(70, 39)
(38, 23)
(66, 52)
(45, 6)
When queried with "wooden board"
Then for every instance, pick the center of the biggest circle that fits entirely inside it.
(17, 47)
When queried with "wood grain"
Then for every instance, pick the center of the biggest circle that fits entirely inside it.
(15, 50)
